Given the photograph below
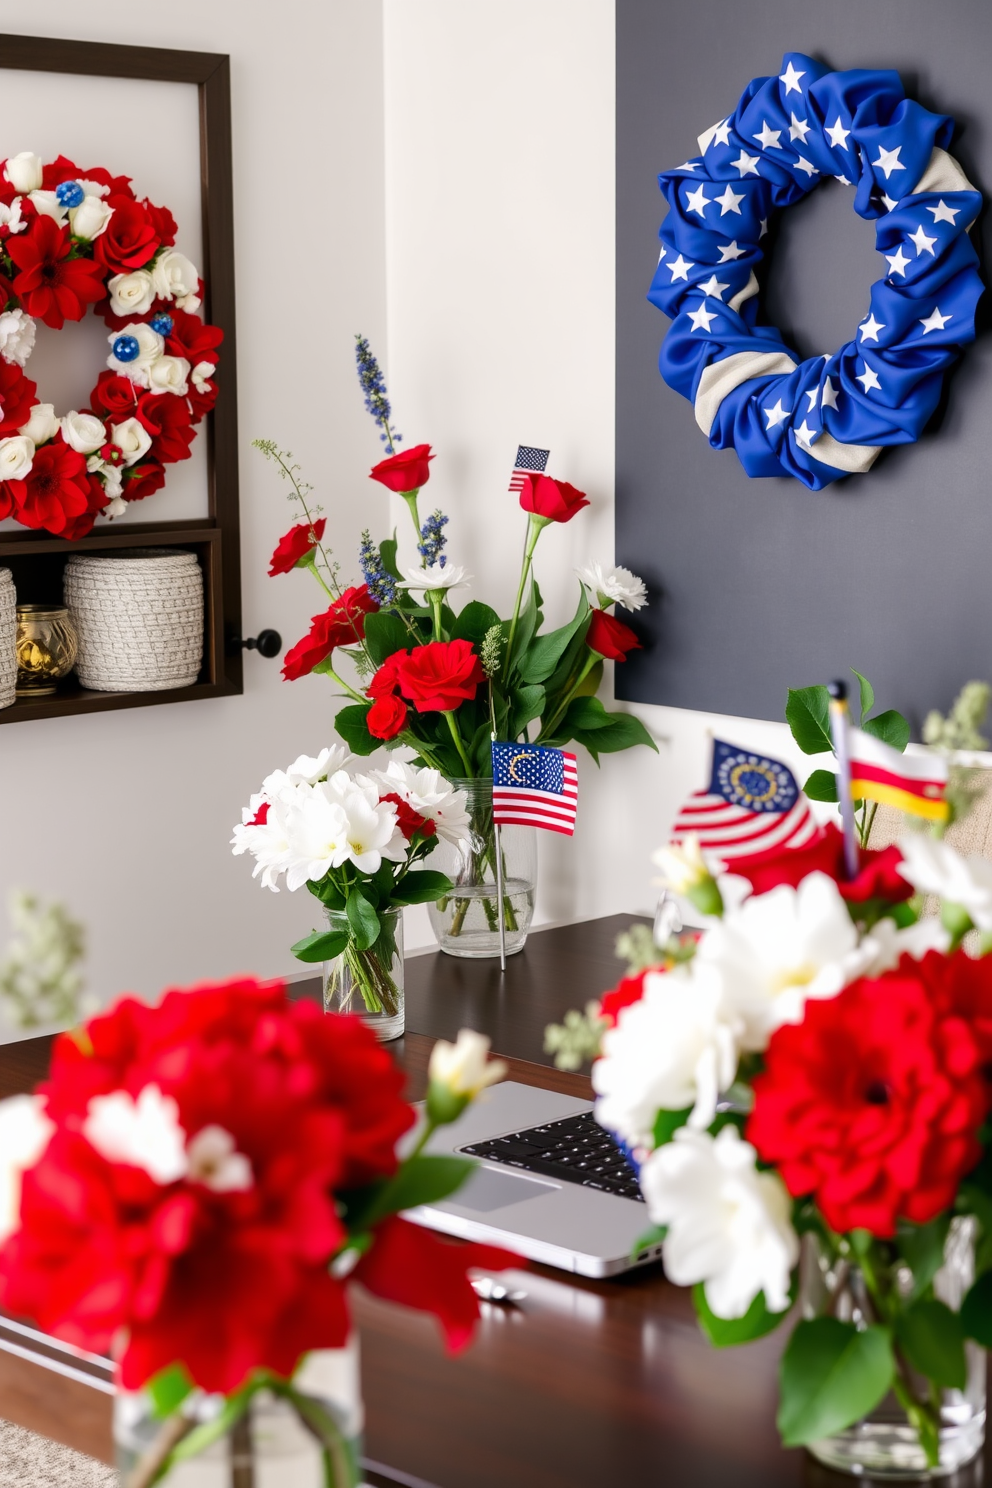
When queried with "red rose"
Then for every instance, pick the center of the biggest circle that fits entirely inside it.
(406, 471)
(341, 625)
(440, 676)
(55, 491)
(872, 1103)
(878, 877)
(386, 717)
(116, 185)
(17, 395)
(51, 285)
(83, 524)
(114, 398)
(191, 338)
(163, 223)
(387, 678)
(58, 170)
(167, 419)
(129, 239)
(295, 546)
(142, 480)
(555, 501)
(610, 637)
(201, 402)
(408, 820)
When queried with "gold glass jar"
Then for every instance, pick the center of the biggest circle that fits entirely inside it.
(46, 648)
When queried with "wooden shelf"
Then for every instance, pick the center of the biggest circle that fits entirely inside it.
(71, 698)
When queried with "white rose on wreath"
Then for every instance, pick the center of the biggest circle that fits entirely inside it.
(131, 294)
(90, 218)
(150, 347)
(169, 374)
(132, 438)
(16, 457)
(47, 204)
(42, 425)
(24, 171)
(83, 432)
(175, 278)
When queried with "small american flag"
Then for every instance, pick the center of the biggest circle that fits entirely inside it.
(752, 804)
(535, 787)
(527, 462)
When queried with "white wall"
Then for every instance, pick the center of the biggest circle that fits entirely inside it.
(500, 270)
(127, 815)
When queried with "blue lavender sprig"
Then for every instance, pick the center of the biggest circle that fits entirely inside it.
(373, 385)
(381, 584)
(432, 539)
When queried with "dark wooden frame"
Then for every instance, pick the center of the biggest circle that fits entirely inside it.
(216, 538)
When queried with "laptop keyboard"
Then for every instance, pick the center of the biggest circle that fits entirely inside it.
(576, 1149)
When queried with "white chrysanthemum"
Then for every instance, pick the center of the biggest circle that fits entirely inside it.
(780, 948)
(614, 585)
(935, 868)
(728, 1224)
(431, 795)
(675, 1048)
(306, 770)
(25, 1131)
(17, 335)
(888, 944)
(267, 841)
(336, 822)
(437, 576)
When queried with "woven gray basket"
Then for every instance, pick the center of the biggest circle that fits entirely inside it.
(139, 617)
(8, 638)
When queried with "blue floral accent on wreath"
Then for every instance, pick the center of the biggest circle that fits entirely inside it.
(126, 348)
(162, 323)
(820, 419)
(70, 194)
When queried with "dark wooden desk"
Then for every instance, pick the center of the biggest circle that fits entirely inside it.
(584, 1383)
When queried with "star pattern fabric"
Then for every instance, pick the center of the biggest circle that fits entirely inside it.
(789, 132)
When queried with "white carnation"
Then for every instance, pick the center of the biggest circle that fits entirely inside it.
(614, 585)
(17, 334)
(201, 375)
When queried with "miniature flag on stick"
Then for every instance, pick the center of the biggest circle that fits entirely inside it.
(912, 783)
(534, 786)
(752, 804)
(840, 733)
(528, 462)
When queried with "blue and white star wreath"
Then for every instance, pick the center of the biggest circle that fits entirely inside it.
(829, 416)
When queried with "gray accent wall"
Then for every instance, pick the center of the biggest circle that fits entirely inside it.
(758, 585)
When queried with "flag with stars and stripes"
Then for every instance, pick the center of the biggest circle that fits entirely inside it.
(528, 462)
(751, 805)
(534, 786)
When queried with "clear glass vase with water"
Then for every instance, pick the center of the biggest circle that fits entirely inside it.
(466, 921)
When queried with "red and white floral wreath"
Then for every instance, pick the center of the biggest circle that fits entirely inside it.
(71, 238)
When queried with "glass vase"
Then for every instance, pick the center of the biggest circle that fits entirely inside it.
(269, 1447)
(466, 921)
(884, 1444)
(369, 982)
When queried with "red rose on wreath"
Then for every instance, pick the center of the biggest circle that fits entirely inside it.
(83, 524)
(55, 491)
(440, 676)
(61, 169)
(554, 500)
(163, 223)
(872, 1104)
(191, 339)
(342, 625)
(169, 422)
(405, 471)
(610, 637)
(143, 480)
(295, 546)
(51, 285)
(386, 717)
(17, 394)
(129, 240)
(878, 877)
(114, 398)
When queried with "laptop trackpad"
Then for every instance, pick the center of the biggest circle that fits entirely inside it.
(486, 1190)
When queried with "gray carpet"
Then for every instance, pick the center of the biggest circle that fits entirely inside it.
(29, 1461)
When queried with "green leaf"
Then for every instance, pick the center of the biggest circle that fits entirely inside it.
(667, 1123)
(526, 704)
(384, 634)
(351, 724)
(421, 886)
(473, 622)
(168, 1389)
(830, 1376)
(807, 712)
(546, 651)
(624, 732)
(421, 1180)
(922, 1248)
(821, 786)
(726, 1332)
(890, 727)
(218, 1426)
(588, 713)
(328, 893)
(387, 552)
(363, 920)
(589, 685)
(976, 1311)
(322, 945)
(651, 1237)
(867, 695)
(527, 624)
(932, 1338)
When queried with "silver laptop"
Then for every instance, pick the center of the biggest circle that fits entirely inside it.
(551, 1184)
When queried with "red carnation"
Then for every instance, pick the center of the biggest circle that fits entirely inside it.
(114, 398)
(405, 471)
(440, 676)
(295, 546)
(142, 480)
(555, 501)
(56, 490)
(129, 240)
(877, 878)
(964, 984)
(610, 637)
(341, 625)
(17, 396)
(97, 502)
(872, 1103)
(408, 820)
(386, 717)
(51, 285)
(167, 419)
